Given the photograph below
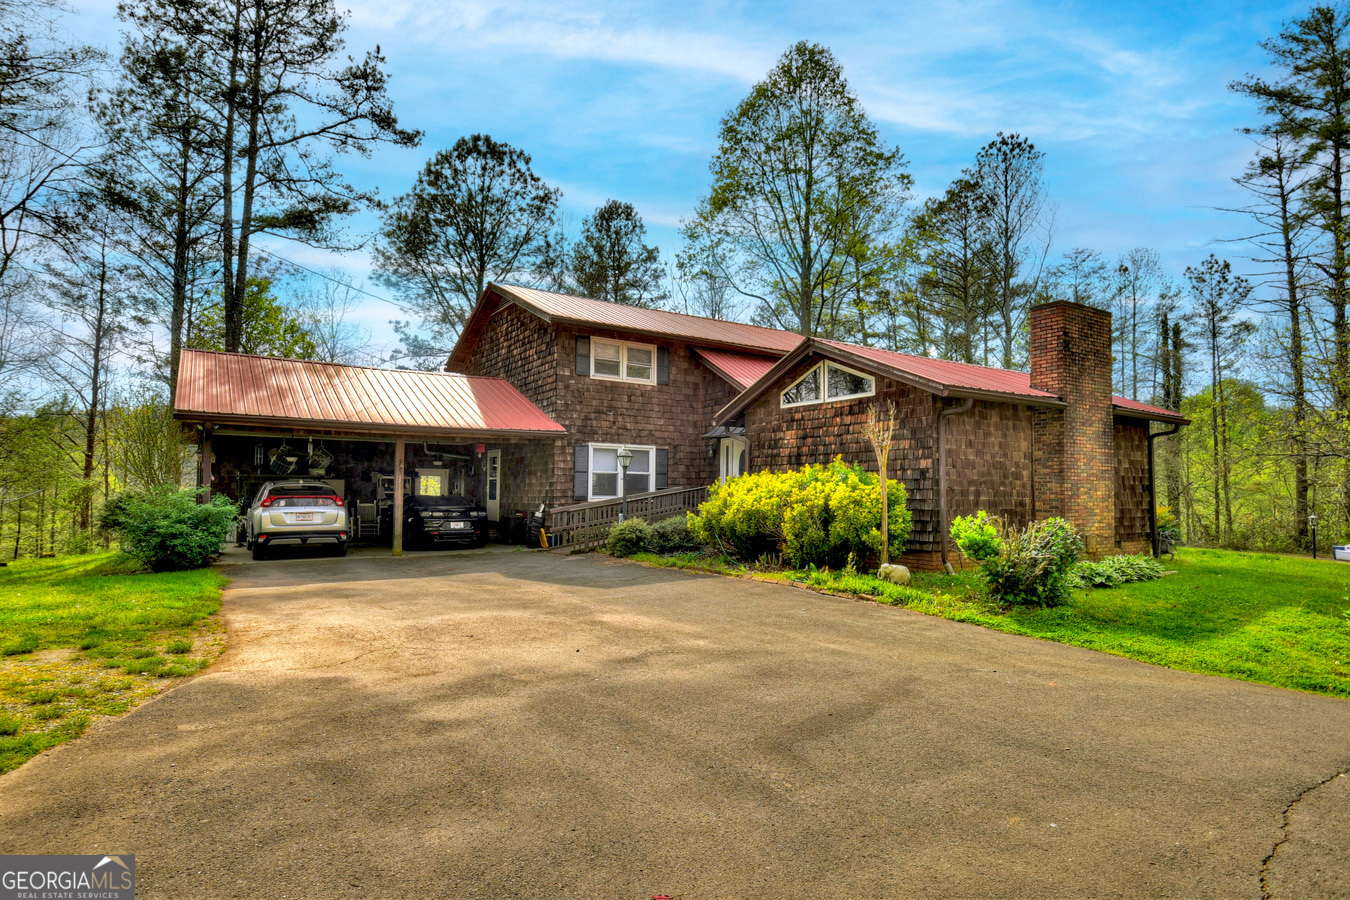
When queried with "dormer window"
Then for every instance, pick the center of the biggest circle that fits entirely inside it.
(828, 381)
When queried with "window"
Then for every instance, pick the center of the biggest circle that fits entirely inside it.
(806, 390)
(639, 366)
(846, 383)
(606, 359)
(623, 362)
(828, 381)
(605, 472)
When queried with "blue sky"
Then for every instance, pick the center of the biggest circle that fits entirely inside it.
(622, 100)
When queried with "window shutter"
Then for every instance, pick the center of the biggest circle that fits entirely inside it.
(581, 472)
(583, 356)
(662, 469)
(662, 365)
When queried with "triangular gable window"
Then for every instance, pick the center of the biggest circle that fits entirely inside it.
(828, 381)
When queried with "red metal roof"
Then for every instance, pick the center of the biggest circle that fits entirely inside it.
(941, 376)
(948, 374)
(236, 387)
(583, 311)
(1146, 410)
(741, 369)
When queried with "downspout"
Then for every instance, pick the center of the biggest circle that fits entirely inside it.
(943, 524)
(1153, 488)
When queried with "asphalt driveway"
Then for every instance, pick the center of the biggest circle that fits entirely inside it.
(503, 725)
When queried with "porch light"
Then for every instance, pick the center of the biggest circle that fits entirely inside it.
(625, 458)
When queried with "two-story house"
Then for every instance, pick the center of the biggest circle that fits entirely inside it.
(543, 391)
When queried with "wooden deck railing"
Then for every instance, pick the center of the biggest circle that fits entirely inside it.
(583, 526)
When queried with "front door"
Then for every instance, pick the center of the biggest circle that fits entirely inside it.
(494, 477)
(733, 458)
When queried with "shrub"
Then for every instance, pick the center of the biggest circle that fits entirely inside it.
(1114, 570)
(977, 536)
(674, 536)
(629, 537)
(1032, 566)
(815, 515)
(169, 530)
(744, 516)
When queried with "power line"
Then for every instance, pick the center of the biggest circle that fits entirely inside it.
(326, 277)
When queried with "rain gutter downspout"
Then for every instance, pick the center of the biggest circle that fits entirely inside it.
(942, 475)
(1153, 487)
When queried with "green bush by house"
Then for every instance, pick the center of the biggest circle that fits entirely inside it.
(627, 538)
(1030, 566)
(815, 515)
(168, 529)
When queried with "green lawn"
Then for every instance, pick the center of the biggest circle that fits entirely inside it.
(84, 636)
(1272, 619)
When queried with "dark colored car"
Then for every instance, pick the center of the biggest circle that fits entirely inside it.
(428, 521)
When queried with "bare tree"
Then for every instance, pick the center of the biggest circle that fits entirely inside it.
(324, 304)
(1010, 171)
(1138, 281)
(880, 431)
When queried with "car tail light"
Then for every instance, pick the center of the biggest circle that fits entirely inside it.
(267, 501)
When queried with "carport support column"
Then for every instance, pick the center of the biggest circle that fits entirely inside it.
(206, 462)
(399, 447)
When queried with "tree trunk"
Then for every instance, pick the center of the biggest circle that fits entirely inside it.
(95, 388)
(233, 316)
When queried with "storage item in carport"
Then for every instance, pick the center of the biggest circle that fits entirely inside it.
(536, 525)
(515, 528)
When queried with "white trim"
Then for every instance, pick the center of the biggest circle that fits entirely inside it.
(590, 468)
(624, 347)
(492, 505)
(741, 445)
(823, 368)
(782, 396)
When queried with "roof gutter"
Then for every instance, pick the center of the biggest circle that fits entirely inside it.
(376, 429)
(943, 524)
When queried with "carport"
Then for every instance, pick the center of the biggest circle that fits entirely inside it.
(374, 434)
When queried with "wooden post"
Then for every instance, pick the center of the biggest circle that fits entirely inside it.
(206, 462)
(398, 496)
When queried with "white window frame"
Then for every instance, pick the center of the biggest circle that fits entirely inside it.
(823, 368)
(590, 468)
(624, 347)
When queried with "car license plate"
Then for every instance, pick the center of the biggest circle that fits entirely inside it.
(304, 517)
(458, 526)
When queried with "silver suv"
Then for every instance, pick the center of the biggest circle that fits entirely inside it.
(296, 512)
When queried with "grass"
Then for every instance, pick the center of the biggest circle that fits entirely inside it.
(89, 636)
(1275, 620)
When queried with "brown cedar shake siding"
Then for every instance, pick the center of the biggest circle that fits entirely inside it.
(989, 452)
(540, 359)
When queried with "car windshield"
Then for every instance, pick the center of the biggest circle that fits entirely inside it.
(450, 500)
(284, 495)
(302, 501)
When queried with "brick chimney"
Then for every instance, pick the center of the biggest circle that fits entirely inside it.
(1075, 446)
